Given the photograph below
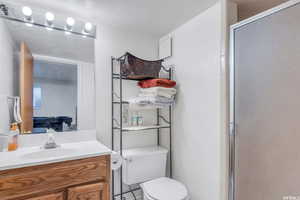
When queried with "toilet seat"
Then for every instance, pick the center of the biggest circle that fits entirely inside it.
(165, 189)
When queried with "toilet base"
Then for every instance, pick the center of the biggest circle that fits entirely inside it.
(164, 189)
(146, 197)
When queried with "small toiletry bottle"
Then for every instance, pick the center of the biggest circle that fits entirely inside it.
(140, 120)
(125, 113)
(134, 119)
(13, 137)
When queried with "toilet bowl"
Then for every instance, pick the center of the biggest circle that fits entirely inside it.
(164, 189)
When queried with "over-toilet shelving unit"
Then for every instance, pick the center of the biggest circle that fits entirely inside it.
(117, 122)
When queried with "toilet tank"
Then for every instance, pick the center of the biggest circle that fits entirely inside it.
(144, 164)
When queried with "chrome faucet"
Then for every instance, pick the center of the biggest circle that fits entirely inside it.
(50, 143)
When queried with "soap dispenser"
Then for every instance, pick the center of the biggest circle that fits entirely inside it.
(13, 137)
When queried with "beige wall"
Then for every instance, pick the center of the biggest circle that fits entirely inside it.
(249, 8)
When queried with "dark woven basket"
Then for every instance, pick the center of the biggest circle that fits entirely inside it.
(136, 68)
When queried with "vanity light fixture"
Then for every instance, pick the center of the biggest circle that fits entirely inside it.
(49, 19)
(87, 28)
(27, 12)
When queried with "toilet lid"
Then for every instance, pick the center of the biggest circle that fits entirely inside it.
(165, 189)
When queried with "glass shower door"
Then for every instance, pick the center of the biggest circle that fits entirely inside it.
(267, 107)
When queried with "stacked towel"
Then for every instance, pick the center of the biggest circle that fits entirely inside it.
(154, 93)
(158, 91)
(149, 102)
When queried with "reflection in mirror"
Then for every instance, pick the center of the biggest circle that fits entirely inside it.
(53, 80)
(46, 78)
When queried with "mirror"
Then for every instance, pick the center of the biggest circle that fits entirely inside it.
(47, 74)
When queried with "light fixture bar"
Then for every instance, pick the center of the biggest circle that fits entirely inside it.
(45, 26)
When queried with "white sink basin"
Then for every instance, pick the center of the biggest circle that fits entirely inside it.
(49, 153)
(32, 156)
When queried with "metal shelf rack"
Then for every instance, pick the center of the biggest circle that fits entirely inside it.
(118, 127)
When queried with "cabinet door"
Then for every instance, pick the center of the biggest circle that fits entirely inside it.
(97, 191)
(56, 196)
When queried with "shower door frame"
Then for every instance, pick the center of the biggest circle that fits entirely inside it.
(232, 124)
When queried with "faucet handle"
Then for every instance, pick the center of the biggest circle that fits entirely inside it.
(50, 144)
(50, 138)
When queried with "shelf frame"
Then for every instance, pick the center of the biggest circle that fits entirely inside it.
(121, 129)
(127, 129)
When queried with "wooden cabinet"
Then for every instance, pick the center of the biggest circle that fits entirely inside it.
(97, 191)
(55, 196)
(84, 179)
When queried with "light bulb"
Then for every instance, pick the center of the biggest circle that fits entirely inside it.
(88, 27)
(49, 17)
(27, 11)
(70, 21)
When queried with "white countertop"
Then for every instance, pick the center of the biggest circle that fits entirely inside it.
(31, 156)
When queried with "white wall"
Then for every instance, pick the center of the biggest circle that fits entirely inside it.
(197, 114)
(115, 42)
(8, 81)
(7, 49)
(86, 96)
(59, 98)
(229, 17)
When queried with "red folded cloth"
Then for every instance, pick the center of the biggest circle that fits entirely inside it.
(159, 82)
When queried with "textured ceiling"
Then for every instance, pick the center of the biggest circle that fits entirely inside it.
(249, 8)
(54, 71)
(156, 17)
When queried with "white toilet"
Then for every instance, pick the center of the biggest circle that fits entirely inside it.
(147, 167)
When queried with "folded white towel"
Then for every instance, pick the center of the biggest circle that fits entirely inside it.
(150, 102)
(158, 91)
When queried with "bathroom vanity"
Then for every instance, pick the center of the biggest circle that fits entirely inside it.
(74, 171)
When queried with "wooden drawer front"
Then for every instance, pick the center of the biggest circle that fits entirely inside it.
(56, 196)
(97, 191)
(46, 178)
